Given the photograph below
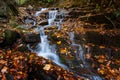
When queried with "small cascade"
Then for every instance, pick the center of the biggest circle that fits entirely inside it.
(48, 51)
(80, 54)
(44, 49)
(39, 12)
(52, 16)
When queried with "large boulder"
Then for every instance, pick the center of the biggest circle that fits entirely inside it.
(9, 37)
(31, 38)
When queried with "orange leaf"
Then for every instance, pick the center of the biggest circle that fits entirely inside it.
(63, 50)
(4, 69)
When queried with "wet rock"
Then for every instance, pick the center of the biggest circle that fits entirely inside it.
(43, 22)
(45, 12)
(29, 22)
(30, 7)
(31, 38)
(42, 12)
(59, 16)
(56, 8)
(41, 17)
(51, 28)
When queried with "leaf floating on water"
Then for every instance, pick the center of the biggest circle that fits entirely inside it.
(47, 67)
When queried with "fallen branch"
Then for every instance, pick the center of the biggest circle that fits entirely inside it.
(111, 21)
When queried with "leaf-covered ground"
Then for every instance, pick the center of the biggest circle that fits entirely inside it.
(92, 30)
(16, 65)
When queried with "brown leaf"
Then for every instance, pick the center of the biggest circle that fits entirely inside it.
(47, 67)
(4, 69)
(3, 62)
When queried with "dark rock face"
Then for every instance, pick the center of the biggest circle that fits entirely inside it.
(108, 39)
(43, 22)
(9, 37)
(31, 38)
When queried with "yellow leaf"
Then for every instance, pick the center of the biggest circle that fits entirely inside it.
(47, 67)
(101, 60)
(101, 71)
(59, 42)
(63, 50)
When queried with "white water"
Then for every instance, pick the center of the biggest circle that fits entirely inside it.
(80, 54)
(52, 16)
(39, 12)
(80, 50)
(44, 49)
(47, 51)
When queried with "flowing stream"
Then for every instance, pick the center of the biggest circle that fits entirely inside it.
(80, 54)
(47, 51)
(44, 49)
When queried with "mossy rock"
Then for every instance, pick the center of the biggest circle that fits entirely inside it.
(10, 36)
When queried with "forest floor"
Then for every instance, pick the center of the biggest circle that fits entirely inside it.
(97, 32)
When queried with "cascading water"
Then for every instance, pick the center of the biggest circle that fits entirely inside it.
(47, 51)
(39, 12)
(80, 54)
(44, 49)
(52, 16)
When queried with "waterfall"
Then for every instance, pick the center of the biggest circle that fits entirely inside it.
(43, 48)
(47, 51)
(52, 16)
(39, 12)
(80, 54)
(80, 50)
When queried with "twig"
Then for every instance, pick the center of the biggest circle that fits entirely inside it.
(111, 21)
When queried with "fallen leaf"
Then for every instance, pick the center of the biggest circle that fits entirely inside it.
(47, 67)
(4, 69)
(63, 50)
(3, 62)
(59, 42)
